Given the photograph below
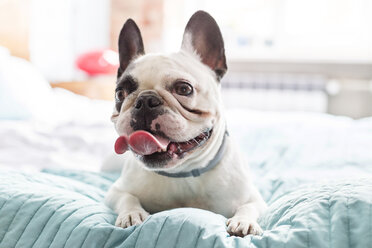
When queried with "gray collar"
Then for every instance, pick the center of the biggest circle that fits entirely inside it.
(197, 172)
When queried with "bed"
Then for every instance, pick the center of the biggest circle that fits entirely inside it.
(314, 170)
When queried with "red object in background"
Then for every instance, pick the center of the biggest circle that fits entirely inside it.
(98, 62)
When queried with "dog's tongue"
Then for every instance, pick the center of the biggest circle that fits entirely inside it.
(144, 143)
(121, 145)
(141, 142)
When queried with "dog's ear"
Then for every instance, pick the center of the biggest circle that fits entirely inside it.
(203, 36)
(130, 44)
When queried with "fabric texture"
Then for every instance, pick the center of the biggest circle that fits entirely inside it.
(65, 209)
(315, 172)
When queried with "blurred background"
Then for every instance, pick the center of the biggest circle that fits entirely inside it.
(283, 55)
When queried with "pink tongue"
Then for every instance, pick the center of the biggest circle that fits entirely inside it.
(121, 145)
(144, 143)
(141, 142)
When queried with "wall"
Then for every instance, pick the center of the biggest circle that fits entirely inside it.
(14, 23)
(148, 14)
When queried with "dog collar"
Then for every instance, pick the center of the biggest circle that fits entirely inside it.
(197, 172)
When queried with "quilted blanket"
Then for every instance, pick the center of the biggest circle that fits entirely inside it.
(316, 178)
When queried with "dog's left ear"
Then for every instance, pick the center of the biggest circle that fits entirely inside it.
(203, 36)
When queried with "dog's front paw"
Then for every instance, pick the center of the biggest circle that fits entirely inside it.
(242, 226)
(127, 219)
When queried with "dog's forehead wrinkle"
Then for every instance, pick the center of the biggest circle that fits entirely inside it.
(155, 69)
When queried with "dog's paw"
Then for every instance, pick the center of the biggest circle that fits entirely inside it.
(241, 226)
(127, 219)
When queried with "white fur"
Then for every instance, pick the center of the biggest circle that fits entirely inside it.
(227, 189)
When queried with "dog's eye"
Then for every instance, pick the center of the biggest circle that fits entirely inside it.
(119, 95)
(183, 88)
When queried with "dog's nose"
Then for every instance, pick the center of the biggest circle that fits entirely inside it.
(148, 101)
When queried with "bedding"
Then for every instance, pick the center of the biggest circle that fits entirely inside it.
(314, 170)
(76, 133)
(64, 209)
(23, 90)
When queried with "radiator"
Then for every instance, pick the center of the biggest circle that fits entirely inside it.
(280, 92)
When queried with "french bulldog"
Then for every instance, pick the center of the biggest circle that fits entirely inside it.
(169, 115)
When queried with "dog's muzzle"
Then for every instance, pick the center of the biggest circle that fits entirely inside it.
(146, 108)
(147, 102)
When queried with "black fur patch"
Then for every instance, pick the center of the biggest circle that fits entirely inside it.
(129, 85)
(156, 160)
(141, 120)
(157, 126)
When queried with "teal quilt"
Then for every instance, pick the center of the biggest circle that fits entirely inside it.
(316, 178)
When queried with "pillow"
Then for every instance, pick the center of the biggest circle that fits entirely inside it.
(24, 93)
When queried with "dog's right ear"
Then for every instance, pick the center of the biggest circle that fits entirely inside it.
(130, 45)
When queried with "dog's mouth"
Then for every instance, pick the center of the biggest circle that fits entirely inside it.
(154, 148)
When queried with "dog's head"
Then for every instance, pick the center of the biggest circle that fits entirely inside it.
(168, 107)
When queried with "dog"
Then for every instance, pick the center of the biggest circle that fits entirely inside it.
(168, 112)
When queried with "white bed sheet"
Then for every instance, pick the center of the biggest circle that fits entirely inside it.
(75, 132)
